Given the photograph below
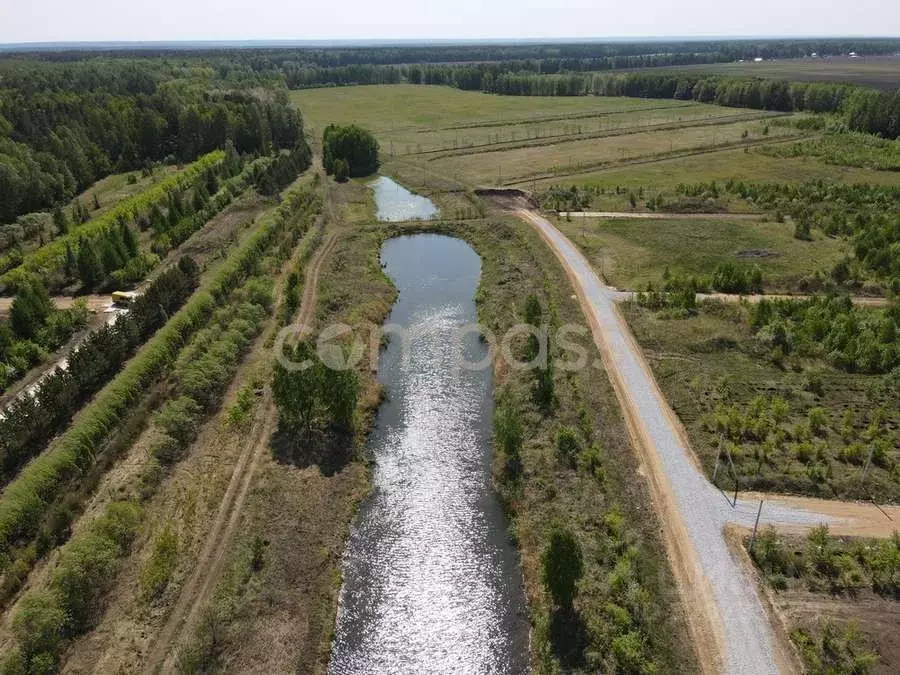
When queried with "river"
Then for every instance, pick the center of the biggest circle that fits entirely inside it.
(432, 583)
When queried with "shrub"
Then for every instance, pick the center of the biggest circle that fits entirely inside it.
(167, 450)
(508, 427)
(567, 443)
(178, 418)
(730, 277)
(158, 569)
(818, 420)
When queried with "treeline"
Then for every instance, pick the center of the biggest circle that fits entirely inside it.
(87, 565)
(553, 57)
(27, 502)
(50, 260)
(56, 141)
(106, 251)
(865, 110)
(30, 421)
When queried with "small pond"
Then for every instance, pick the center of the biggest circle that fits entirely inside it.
(395, 203)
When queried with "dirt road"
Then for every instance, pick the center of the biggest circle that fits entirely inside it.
(858, 300)
(638, 215)
(729, 623)
(95, 303)
(197, 592)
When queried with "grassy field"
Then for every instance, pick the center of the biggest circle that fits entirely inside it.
(395, 109)
(664, 174)
(712, 360)
(882, 72)
(477, 138)
(567, 158)
(629, 253)
(445, 137)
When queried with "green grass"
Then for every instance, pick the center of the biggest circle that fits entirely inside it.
(720, 166)
(713, 359)
(390, 109)
(631, 253)
(481, 133)
(562, 159)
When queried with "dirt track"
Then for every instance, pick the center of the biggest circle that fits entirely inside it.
(196, 593)
(655, 215)
(729, 622)
(858, 300)
(95, 303)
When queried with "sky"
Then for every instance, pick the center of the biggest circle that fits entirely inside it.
(151, 20)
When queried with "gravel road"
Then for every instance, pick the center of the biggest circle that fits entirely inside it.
(746, 640)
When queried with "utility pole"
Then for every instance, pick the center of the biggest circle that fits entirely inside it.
(868, 461)
(718, 457)
(756, 526)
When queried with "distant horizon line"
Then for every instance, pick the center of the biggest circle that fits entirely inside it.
(59, 45)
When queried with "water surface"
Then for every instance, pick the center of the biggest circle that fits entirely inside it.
(395, 203)
(431, 581)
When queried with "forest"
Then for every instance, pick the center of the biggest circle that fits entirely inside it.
(65, 125)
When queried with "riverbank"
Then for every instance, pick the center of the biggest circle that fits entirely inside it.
(629, 616)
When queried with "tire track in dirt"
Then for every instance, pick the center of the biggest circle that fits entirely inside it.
(196, 593)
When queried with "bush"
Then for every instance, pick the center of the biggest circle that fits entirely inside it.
(179, 418)
(40, 625)
(567, 443)
(46, 620)
(508, 427)
(158, 569)
(730, 277)
(341, 170)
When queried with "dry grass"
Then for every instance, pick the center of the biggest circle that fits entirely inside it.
(665, 174)
(631, 253)
(525, 164)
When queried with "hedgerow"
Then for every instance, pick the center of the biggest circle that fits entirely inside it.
(51, 258)
(27, 499)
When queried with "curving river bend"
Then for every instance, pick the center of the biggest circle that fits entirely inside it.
(431, 582)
